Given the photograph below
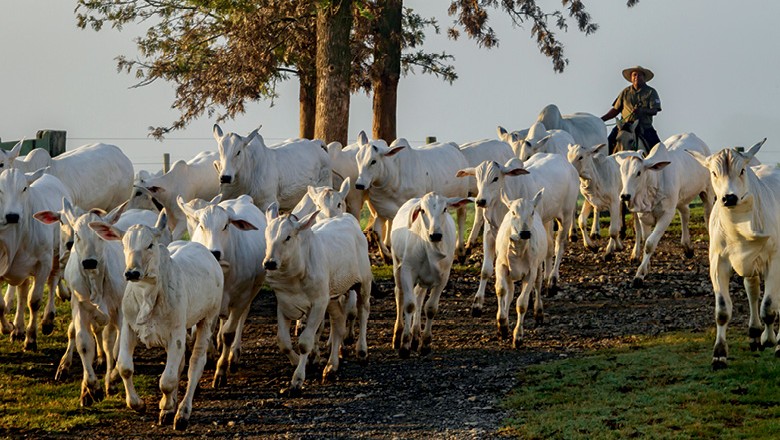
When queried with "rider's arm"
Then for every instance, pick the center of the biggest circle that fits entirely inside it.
(610, 114)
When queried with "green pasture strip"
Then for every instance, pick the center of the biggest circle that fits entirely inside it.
(32, 401)
(660, 387)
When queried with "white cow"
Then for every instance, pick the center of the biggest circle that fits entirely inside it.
(270, 174)
(170, 289)
(541, 140)
(97, 175)
(195, 178)
(310, 268)
(234, 232)
(600, 185)
(586, 129)
(744, 230)
(28, 248)
(518, 180)
(475, 153)
(392, 175)
(656, 185)
(95, 273)
(423, 240)
(521, 248)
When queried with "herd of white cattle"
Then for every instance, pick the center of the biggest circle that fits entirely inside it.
(287, 215)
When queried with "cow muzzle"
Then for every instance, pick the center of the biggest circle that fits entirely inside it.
(730, 200)
(435, 237)
(360, 186)
(217, 255)
(270, 265)
(625, 197)
(225, 179)
(132, 275)
(89, 264)
(12, 218)
(525, 235)
(481, 203)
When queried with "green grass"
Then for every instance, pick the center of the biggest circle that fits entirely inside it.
(32, 401)
(658, 388)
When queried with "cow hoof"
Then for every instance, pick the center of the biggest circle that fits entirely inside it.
(689, 253)
(62, 373)
(766, 345)
(220, 381)
(609, 257)
(349, 340)
(517, 343)
(425, 350)
(291, 392)
(594, 236)
(17, 336)
(503, 332)
(755, 346)
(415, 344)
(86, 399)
(593, 249)
(539, 317)
(139, 407)
(233, 367)
(47, 328)
(476, 312)
(404, 353)
(362, 357)
(718, 364)
(329, 375)
(166, 418)
(6, 330)
(777, 353)
(637, 283)
(181, 424)
(30, 346)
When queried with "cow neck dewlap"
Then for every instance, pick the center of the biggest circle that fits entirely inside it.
(648, 195)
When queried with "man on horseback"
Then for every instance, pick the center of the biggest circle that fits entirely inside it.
(637, 104)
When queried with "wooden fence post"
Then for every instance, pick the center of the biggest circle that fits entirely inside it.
(166, 162)
(430, 139)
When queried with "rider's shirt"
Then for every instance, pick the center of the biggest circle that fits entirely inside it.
(645, 98)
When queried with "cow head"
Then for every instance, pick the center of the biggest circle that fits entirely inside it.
(430, 215)
(490, 178)
(211, 225)
(521, 216)
(7, 158)
(581, 159)
(730, 174)
(284, 237)
(14, 195)
(330, 202)
(233, 155)
(638, 176)
(374, 158)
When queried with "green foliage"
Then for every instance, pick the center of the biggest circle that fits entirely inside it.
(657, 388)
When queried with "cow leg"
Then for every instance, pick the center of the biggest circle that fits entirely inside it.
(572, 229)
(560, 244)
(124, 363)
(169, 380)
(384, 250)
(338, 330)
(479, 221)
(226, 337)
(195, 371)
(595, 227)
(283, 337)
(33, 305)
(522, 306)
(755, 327)
(505, 290)
(47, 324)
(460, 251)
(364, 308)
(537, 282)
(770, 306)
(67, 357)
(650, 245)
(398, 327)
(615, 243)
(91, 390)
(235, 351)
(419, 297)
(720, 273)
(408, 308)
(306, 343)
(488, 258)
(110, 334)
(19, 292)
(641, 231)
(431, 310)
(5, 326)
(685, 239)
(706, 199)
(582, 222)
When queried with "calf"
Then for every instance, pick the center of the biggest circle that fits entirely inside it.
(656, 185)
(234, 232)
(169, 290)
(521, 244)
(423, 240)
(310, 267)
(744, 230)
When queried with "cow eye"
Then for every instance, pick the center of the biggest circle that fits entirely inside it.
(238, 152)
(495, 179)
(373, 162)
(150, 245)
(638, 173)
(25, 189)
(339, 205)
(579, 158)
(2, 165)
(226, 226)
(742, 173)
(287, 239)
(713, 174)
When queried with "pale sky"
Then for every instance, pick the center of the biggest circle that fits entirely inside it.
(714, 61)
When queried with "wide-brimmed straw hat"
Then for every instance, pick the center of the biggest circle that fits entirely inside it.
(648, 73)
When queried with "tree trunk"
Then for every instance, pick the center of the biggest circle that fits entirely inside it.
(387, 70)
(307, 95)
(334, 60)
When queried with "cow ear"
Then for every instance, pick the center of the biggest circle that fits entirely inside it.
(751, 153)
(702, 159)
(307, 221)
(657, 166)
(395, 150)
(515, 137)
(416, 210)
(47, 217)
(346, 185)
(311, 192)
(515, 171)
(502, 133)
(217, 198)
(35, 175)
(272, 212)
(186, 208)
(218, 167)
(113, 216)
(162, 222)
(240, 223)
(107, 232)
(505, 199)
(634, 125)
(253, 133)
(471, 171)
(538, 197)
(217, 132)
(457, 202)
(600, 148)
(362, 138)
(14, 153)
